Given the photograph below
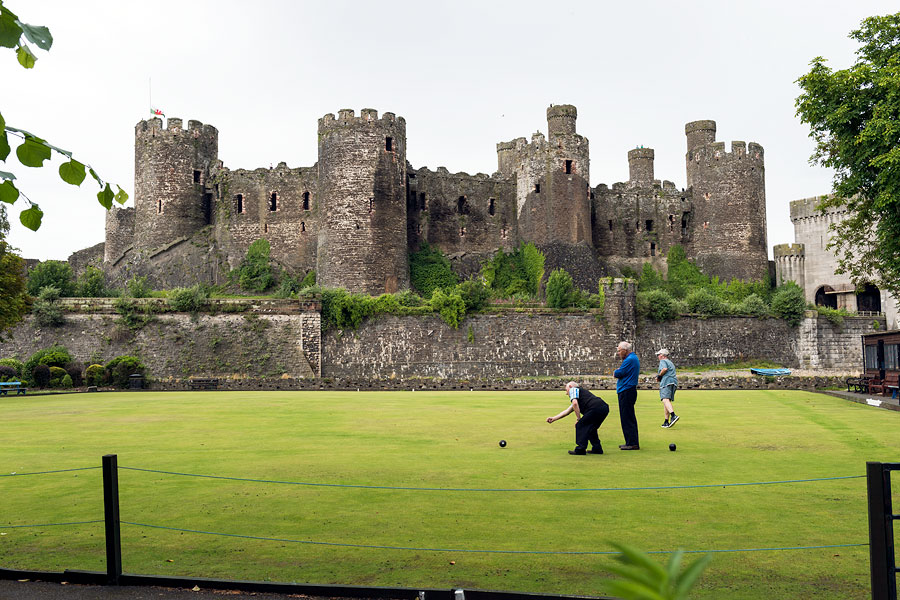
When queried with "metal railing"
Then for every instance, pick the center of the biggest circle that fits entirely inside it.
(882, 559)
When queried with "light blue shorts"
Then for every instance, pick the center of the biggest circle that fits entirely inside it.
(667, 392)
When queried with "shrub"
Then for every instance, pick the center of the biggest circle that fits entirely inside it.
(54, 356)
(657, 305)
(309, 280)
(410, 298)
(8, 373)
(255, 273)
(14, 363)
(288, 287)
(650, 278)
(56, 375)
(137, 287)
(451, 307)
(132, 315)
(54, 273)
(474, 294)
(429, 270)
(343, 310)
(788, 303)
(92, 283)
(386, 304)
(122, 367)
(95, 375)
(601, 296)
(834, 315)
(66, 381)
(704, 302)
(517, 273)
(559, 289)
(45, 308)
(191, 299)
(754, 306)
(75, 369)
(41, 375)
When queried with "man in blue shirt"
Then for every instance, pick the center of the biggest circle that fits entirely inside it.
(626, 388)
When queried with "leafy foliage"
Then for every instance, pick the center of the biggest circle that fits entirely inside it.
(191, 299)
(560, 289)
(75, 369)
(309, 280)
(288, 286)
(95, 375)
(645, 579)
(657, 305)
(54, 273)
(834, 315)
(13, 297)
(429, 270)
(54, 356)
(754, 306)
(474, 294)
(853, 115)
(451, 307)
(131, 314)
(33, 150)
(789, 303)
(92, 283)
(255, 273)
(137, 287)
(14, 364)
(518, 273)
(46, 310)
(8, 373)
(40, 376)
(122, 367)
(702, 301)
(66, 381)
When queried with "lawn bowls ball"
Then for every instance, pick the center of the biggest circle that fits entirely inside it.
(672, 447)
(503, 443)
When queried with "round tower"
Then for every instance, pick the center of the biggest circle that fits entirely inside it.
(119, 233)
(171, 167)
(728, 195)
(362, 243)
(640, 166)
(561, 120)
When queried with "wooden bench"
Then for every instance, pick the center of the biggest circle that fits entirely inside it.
(888, 385)
(203, 383)
(859, 385)
(8, 386)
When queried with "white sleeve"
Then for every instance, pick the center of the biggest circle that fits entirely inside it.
(573, 393)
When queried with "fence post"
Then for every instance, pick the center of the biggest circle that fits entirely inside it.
(111, 516)
(881, 537)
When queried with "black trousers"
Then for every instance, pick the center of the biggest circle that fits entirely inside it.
(627, 398)
(586, 427)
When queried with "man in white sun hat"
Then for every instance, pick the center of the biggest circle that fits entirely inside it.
(668, 383)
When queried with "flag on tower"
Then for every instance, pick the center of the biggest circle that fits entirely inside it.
(157, 112)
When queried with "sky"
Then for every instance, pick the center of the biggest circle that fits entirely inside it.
(464, 74)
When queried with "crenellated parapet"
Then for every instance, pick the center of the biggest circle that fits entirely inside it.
(790, 263)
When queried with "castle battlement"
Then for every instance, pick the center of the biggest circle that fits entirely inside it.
(788, 251)
(740, 151)
(347, 117)
(445, 173)
(808, 208)
(153, 127)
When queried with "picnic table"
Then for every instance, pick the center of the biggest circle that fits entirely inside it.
(8, 386)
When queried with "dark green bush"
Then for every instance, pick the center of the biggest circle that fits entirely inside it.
(192, 299)
(92, 283)
(474, 293)
(386, 304)
(45, 308)
(54, 356)
(515, 274)
(40, 375)
(95, 375)
(657, 305)
(451, 307)
(560, 289)
(14, 363)
(54, 273)
(137, 287)
(66, 381)
(429, 270)
(255, 273)
(789, 303)
(343, 310)
(122, 367)
(754, 306)
(705, 302)
(410, 298)
(8, 373)
(75, 369)
(288, 286)
(56, 375)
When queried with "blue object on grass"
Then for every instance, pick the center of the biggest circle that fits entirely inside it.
(770, 371)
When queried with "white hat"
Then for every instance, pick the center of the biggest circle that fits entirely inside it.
(662, 351)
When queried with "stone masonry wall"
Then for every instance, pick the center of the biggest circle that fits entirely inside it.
(824, 345)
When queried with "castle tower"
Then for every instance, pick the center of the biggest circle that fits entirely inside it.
(790, 264)
(728, 235)
(119, 233)
(552, 175)
(362, 242)
(640, 166)
(171, 168)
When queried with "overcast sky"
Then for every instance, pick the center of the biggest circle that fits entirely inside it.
(465, 75)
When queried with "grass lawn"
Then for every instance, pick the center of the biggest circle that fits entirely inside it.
(445, 440)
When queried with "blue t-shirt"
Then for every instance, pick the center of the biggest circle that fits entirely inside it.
(627, 373)
(669, 378)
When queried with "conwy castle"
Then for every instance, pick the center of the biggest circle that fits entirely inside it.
(356, 214)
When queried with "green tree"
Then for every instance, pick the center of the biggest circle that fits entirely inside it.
(52, 273)
(429, 270)
(789, 303)
(13, 297)
(854, 117)
(255, 273)
(559, 289)
(92, 283)
(33, 150)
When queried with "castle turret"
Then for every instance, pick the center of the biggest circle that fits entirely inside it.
(561, 120)
(171, 167)
(728, 236)
(640, 166)
(790, 264)
(362, 243)
(119, 233)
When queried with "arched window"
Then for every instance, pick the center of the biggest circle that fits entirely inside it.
(869, 299)
(825, 297)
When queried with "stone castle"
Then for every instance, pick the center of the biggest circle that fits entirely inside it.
(356, 214)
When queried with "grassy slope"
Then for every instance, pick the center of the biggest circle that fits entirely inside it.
(445, 439)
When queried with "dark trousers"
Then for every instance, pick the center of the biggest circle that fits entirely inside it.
(627, 398)
(586, 427)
